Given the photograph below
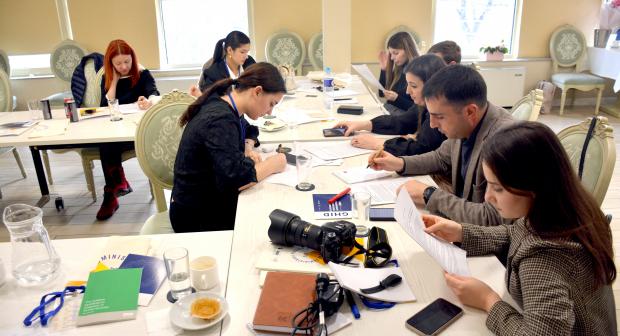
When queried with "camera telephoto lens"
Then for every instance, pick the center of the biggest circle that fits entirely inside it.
(288, 229)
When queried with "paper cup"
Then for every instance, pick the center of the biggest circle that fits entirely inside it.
(204, 273)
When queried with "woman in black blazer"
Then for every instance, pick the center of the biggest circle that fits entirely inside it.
(230, 59)
(401, 50)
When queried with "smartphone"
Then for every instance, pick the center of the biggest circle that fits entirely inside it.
(350, 109)
(382, 214)
(334, 132)
(290, 158)
(434, 318)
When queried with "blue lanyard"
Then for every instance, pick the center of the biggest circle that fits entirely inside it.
(241, 126)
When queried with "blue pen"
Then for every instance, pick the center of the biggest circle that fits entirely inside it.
(351, 301)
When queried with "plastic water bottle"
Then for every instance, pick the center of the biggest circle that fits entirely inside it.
(328, 89)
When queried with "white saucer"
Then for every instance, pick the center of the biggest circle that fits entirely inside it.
(181, 317)
(271, 124)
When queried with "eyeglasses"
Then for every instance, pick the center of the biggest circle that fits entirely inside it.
(49, 299)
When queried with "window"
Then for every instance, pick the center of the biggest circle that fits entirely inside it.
(189, 29)
(30, 65)
(477, 23)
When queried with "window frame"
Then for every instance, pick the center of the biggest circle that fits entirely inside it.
(516, 30)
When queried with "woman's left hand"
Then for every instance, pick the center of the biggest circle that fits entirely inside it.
(254, 156)
(390, 95)
(472, 292)
(143, 103)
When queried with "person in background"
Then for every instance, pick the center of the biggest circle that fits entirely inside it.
(401, 50)
(407, 123)
(210, 167)
(448, 50)
(456, 99)
(230, 59)
(418, 71)
(560, 256)
(127, 81)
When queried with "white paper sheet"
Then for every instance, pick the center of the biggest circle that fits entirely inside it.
(451, 258)
(49, 127)
(358, 278)
(360, 174)
(334, 150)
(381, 192)
(287, 177)
(365, 72)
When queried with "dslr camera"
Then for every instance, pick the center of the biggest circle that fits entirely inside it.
(288, 229)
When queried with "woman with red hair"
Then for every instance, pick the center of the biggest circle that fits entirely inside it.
(128, 82)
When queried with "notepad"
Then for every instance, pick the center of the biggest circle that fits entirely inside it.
(360, 174)
(153, 274)
(340, 209)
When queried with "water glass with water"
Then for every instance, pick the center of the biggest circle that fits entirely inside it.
(34, 106)
(34, 260)
(361, 206)
(177, 270)
(115, 112)
(303, 163)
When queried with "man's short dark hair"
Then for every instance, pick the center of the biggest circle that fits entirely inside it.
(449, 50)
(458, 84)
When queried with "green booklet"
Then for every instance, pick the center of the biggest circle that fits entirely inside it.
(110, 296)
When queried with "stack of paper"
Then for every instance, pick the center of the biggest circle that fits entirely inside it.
(360, 174)
(382, 191)
(16, 128)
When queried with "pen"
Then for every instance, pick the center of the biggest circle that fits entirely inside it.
(338, 99)
(340, 195)
(278, 149)
(378, 154)
(354, 309)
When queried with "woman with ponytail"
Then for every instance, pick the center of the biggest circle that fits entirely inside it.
(210, 167)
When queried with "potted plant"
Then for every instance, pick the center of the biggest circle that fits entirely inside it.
(495, 53)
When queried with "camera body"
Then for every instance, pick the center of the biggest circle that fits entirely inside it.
(288, 229)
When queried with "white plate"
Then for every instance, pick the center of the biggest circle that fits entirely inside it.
(181, 316)
(271, 124)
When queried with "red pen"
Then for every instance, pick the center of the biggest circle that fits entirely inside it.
(339, 196)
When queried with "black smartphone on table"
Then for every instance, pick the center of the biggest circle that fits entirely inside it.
(290, 158)
(434, 318)
(382, 214)
(350, 109)
(334, 132)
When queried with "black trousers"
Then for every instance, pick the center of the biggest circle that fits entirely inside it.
(199, 219)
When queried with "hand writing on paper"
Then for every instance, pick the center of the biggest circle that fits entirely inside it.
(382, 160)
(415, 190)
(390, 95)
(472, 292)
(144, 103)
(367, 141)
(443, 228)
(354, 126)
(254, 156)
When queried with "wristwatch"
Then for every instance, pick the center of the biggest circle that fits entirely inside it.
(428, 192)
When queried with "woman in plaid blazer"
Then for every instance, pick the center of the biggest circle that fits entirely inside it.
(560, 259)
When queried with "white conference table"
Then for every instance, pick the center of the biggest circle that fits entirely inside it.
(85, 133)
(423, 274)
(605, 62)
(79, 256)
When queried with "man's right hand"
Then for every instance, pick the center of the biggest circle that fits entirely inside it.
(382, 160)
(353, 126)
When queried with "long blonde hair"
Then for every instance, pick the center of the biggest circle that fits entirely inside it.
(402, 41)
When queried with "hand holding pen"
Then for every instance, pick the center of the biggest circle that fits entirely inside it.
(382, 160)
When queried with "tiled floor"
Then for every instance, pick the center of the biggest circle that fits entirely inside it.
(78, 217)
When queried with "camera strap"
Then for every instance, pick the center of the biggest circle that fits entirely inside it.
(379, 251)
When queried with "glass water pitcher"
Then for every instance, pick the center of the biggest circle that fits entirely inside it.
(34, 260)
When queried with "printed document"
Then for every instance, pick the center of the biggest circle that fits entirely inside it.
(383, 191)
(334, 150)
(451, 258)
(360, 174)
(363, 70)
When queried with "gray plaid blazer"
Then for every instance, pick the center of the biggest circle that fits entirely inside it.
(446, 159)
(550, 280)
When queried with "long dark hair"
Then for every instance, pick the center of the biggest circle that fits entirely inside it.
(528, 159)
(402, 41)
(234, 39)
(261, 74)
(424, 67)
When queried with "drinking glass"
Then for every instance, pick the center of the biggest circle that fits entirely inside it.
(177, 270)
(115, 112)
(361, 206)
(34, 106)
(304, 168)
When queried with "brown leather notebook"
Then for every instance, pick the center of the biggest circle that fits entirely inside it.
(284, 295)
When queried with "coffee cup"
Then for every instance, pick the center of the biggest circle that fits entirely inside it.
(204, 273)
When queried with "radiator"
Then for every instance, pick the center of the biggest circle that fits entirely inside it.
(504, 85)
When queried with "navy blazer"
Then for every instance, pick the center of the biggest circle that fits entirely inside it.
(217, 71)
